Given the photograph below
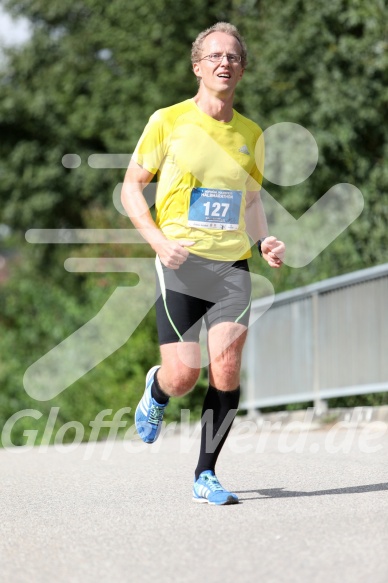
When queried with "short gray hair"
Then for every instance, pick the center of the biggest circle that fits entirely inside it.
(196, 50)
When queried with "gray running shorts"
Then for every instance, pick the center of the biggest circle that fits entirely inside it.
(216, 291)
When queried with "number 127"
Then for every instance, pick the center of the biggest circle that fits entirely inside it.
(213, 209)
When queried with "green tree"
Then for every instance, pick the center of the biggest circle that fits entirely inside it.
(324, 65)
(86, 83)
(91, 75)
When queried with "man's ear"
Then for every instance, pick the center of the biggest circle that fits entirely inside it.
(196, 69)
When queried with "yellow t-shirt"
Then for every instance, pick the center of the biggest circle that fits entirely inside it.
(204, 168)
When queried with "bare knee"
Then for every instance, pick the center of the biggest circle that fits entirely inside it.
(224, 373)
(180, 368)
(177, 381)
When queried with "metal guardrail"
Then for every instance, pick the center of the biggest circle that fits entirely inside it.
(329, 339)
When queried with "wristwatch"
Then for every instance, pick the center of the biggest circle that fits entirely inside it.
(259, 242)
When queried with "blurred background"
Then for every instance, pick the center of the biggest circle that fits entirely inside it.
(83, 77)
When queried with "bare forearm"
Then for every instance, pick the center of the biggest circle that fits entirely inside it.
(137, 209)
(135, 204)
(272, 250)
(171, 253)
(255, 219)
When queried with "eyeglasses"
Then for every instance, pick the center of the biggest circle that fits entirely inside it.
(217, 58)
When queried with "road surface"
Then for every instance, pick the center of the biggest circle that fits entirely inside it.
(314, 509)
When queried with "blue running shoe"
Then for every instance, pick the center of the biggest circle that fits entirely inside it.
(149, 413)
(208, 489)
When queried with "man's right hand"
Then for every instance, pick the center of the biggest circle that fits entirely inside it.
(173, 253)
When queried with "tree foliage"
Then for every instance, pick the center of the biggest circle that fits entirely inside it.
(87, 81)
(324, 65)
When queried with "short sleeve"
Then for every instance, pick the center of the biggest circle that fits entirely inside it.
(149, 152)
(255, 178)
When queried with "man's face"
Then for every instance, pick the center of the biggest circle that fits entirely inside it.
(219, 77)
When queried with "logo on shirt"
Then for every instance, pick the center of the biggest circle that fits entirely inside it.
(244, 150)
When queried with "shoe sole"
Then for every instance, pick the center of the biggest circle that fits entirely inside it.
(150, 373)
(228, 502)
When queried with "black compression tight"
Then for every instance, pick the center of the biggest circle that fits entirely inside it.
(218, 412)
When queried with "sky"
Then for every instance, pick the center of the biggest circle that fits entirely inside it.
(12, 31)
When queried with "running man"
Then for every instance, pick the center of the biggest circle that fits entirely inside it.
(207, 201)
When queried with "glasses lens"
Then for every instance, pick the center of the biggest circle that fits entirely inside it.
(218, 57)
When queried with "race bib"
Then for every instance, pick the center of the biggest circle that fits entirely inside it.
(214, 209)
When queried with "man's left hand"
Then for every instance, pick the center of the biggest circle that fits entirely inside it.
(273, 251)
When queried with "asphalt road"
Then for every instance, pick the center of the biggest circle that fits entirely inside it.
(314, 509)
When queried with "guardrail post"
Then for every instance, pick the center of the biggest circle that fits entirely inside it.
(320, 406)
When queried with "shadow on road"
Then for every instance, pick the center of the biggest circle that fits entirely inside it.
(281, 493)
